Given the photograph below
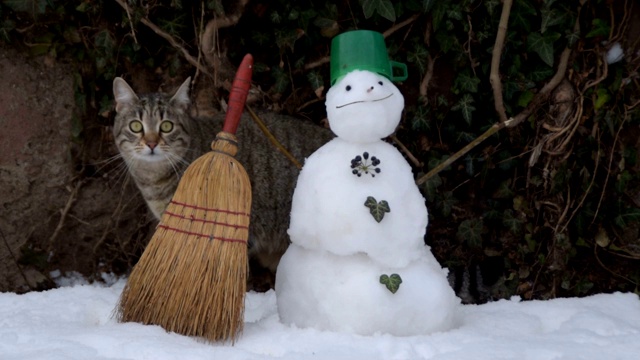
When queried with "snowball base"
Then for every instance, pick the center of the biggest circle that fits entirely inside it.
(343, 293)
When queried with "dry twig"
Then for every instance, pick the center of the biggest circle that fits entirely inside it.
(64, 211)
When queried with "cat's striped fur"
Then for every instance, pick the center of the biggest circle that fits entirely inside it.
(158, 139)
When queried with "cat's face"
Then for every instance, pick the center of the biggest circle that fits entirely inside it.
(152, 128)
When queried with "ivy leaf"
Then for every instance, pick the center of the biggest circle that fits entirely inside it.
(572, 37)
(420, 120)
(470, 231)
(376, 208)
(543, 45)
(431, 187)
(419, 57)
(521, 15)
(550, 17)
(512, 223)
(602, 97)
(540, 73)
(447, 201)
(467, 83)
(104, 42)
(465, 106)
(599, 28)
(525, 98)
(391, 282)
(317, 83)
(504, 190)
(383, 7)
(281, 79)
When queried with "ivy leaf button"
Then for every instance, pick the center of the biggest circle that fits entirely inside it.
(376, 208)
(391, 282)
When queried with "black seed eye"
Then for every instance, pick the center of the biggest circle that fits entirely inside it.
(348, 87)
(380, 82)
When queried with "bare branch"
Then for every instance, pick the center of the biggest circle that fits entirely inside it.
(406, 151)
(209, 37)
(494, 77)
(424, 84)
(400, 25)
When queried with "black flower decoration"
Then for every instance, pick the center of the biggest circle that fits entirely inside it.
(365, 165)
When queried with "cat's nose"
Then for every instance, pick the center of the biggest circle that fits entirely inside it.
(370, 89)
(152, 145)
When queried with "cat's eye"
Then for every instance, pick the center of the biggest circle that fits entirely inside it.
(135, 126)
(166, 126)
(348, 88)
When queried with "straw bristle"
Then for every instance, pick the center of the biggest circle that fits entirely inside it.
(191, 278)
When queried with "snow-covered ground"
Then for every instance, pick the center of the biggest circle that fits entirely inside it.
(75, 322)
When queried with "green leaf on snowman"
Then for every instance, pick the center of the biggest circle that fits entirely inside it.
(376, 208)
(391, 282)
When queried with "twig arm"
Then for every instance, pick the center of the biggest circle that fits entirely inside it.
(492, 130)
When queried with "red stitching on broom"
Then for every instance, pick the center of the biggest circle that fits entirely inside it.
(210, 237)
(191, 218)
(208, 209)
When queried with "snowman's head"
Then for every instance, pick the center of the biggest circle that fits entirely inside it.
(364, 107)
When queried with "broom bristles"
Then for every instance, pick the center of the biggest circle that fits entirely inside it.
(191, 278)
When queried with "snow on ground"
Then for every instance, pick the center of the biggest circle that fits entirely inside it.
(75, 322)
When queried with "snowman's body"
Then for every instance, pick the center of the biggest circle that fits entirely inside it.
(329, 278)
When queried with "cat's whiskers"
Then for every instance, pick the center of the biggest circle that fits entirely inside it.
(101, 164)
(123, 170)
(178, 164)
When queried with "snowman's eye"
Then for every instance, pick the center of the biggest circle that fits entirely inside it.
(348, 87)
(380, 82)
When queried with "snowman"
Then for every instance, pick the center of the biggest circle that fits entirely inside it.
(357, 260)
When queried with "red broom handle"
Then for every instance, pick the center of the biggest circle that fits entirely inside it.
(238, 94)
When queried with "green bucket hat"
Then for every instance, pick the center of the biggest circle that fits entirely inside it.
(363, 50)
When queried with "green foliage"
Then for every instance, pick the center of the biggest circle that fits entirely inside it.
(470, 231)
(465, 106)
(542, 44)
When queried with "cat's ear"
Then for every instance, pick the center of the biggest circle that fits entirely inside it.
(181, 97)
(123, 93)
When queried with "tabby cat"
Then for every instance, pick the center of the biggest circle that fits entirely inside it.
(157, 139)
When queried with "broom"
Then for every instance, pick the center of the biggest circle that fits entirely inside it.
(191, 278)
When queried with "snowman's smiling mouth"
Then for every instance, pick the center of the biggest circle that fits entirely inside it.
(362, 101)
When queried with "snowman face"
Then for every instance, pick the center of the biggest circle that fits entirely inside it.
(364, 107)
